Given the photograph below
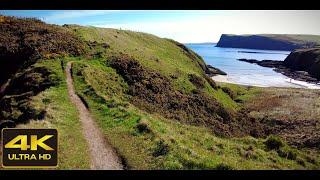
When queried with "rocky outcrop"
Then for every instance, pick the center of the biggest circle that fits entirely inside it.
(267, 42)
(285, 69)
(305, 60)
(212, 71)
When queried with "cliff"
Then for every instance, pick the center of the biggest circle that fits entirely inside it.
(269, 41)
(305, 60)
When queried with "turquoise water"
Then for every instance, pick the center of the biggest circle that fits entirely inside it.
(242, 72)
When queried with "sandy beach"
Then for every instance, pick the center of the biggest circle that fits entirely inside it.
(289, 82)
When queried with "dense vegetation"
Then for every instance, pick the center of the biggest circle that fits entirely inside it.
(23, 43)
(153, 101)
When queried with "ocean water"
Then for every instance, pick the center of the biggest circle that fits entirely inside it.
(246, 73)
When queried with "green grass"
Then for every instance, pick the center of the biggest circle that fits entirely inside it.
(144, 140)
(62, 115)
(243, 93)
(161, 55)
(168, 144)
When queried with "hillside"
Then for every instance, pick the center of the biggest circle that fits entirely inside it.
(284, 42)
(151, 98)
(23, 43)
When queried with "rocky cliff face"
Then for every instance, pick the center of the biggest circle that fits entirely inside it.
(272, 42)
(305, 60)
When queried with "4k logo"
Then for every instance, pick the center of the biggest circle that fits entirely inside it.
(29, 147)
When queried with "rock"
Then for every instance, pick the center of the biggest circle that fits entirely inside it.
(265, 63)
(307, 60)
(285, 69)
(215, 71)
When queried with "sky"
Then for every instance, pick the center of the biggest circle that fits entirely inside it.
(185, 26)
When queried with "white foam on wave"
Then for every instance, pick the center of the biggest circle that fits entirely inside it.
(265, 81)
(304, 84)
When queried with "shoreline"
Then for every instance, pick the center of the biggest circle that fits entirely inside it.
(280, 67)
(294, 83)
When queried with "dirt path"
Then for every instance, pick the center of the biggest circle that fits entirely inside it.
(102, 154)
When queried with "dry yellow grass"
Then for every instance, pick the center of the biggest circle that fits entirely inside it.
(286, 104)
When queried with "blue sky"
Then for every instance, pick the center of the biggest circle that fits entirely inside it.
(185, 26)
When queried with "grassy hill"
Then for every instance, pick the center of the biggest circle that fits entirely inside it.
(150, 96)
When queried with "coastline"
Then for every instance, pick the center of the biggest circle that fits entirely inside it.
(293, 83)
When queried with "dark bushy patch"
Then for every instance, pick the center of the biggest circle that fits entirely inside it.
(143, 127)
(274, 143)
(33, 79)
(154, 92)
(211, 82)
(25, 40)
(302, 133)
(223, 166)
(301, 161)
(311, 159)
(229, 92)
(161, 149)
(197, 81)
(15, 104)
(287, 153)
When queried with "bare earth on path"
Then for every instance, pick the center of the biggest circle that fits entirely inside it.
(103, 156)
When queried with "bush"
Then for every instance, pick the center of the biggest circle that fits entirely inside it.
(154, 92)
(196, 80)
(274, 143)
(161, 149)
(311, 159)
(229, 92)
(211, 82)
(143, 126)
(288, 154)
(301, 161)
(223, 166)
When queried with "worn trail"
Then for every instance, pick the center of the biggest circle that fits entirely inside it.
(103, 156)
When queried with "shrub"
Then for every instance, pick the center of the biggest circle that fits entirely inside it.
(229, 92)
(211, 82)
(196, 80)
(274, 143)
(287, 153)
(237, 100)
(143, 126)
(301, 161)
(161, 149)
(154, 92)
(223, 166)
(311, 159)
(46, 101)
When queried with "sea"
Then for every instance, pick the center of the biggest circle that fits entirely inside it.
(244, 73)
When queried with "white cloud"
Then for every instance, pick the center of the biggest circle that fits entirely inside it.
(58, 15)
